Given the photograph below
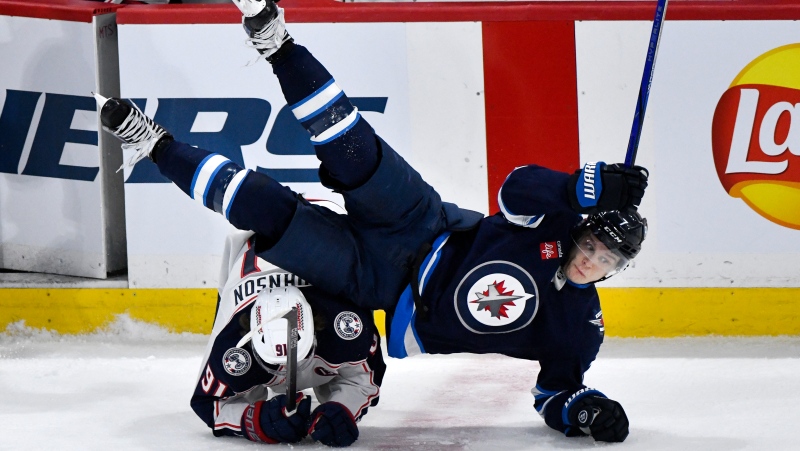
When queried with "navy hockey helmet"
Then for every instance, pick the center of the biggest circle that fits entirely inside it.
(609, 240)
(621, 231)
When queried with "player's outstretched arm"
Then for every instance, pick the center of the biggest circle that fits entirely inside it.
(582, 412)
(600, 187)
(529, 192)
(602, 418)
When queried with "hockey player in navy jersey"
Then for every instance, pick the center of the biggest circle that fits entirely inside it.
(518, 283)
(241, 387)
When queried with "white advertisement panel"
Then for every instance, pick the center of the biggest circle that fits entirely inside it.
(52, 213)
(717, 218)
(415, 83)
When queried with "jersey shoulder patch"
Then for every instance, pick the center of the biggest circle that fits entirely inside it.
(348, 325)
(236, 361)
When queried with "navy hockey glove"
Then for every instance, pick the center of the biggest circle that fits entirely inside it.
(601, 187)
(267, 421)
(332, 424)
(603, 418)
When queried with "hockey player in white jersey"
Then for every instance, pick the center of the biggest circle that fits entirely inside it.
(241, 387)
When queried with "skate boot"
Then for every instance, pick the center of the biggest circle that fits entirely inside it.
(264, 24)
(137, 131)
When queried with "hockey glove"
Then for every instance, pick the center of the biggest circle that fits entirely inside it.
(268, 421)
(600, 417)
(332, 424)
(601, 187)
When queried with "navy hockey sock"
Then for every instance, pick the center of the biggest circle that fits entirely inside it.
(249, 200)
(343, 141)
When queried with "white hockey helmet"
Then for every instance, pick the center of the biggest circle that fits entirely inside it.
(268, 326)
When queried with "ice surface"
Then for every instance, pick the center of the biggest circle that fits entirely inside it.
(128, 388)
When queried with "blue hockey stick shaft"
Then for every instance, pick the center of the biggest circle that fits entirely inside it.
(647, 80)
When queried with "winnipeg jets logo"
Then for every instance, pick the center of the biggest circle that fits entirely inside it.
(496, 300)
(374, 346)
(598, 321)
(236, 361)
(496, 297)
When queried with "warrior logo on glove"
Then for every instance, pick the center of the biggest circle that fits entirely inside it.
(601, 187)
(589, 185)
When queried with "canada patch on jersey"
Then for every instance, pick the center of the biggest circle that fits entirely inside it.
(236, 361)
(496, 297)
(550, 249)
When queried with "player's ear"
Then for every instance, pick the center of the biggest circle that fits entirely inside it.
(244, 322)
(319, 321)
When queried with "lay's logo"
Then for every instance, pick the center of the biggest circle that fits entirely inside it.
(756, 136)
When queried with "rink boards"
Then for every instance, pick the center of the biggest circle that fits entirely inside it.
(466, 93)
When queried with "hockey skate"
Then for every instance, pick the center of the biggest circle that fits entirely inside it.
(264, 24)
(128, 123)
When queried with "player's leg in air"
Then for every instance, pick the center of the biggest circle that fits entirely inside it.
(348, 148)
(392, 212)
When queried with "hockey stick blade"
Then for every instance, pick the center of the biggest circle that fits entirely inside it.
(291, 361)
(647, 80)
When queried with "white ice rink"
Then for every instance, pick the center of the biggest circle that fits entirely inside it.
(129, 389)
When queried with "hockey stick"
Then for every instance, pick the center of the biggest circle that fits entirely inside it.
(647, 79)
(291, 361)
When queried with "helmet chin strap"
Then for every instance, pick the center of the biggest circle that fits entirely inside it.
(247, 337)
(623, 268)
(560, 279)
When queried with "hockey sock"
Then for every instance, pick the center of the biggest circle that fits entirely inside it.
(249, 200)
(285, 50)
(343, 141)
(161, 146)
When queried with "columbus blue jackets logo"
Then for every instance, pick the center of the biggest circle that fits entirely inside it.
(496, 297)
(348, 325)
(236, 361)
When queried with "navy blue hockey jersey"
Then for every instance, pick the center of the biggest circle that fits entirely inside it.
(497, 288)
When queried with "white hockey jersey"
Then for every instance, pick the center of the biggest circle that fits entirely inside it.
(347, 366)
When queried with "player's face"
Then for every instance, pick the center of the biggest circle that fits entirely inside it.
(591, 261)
